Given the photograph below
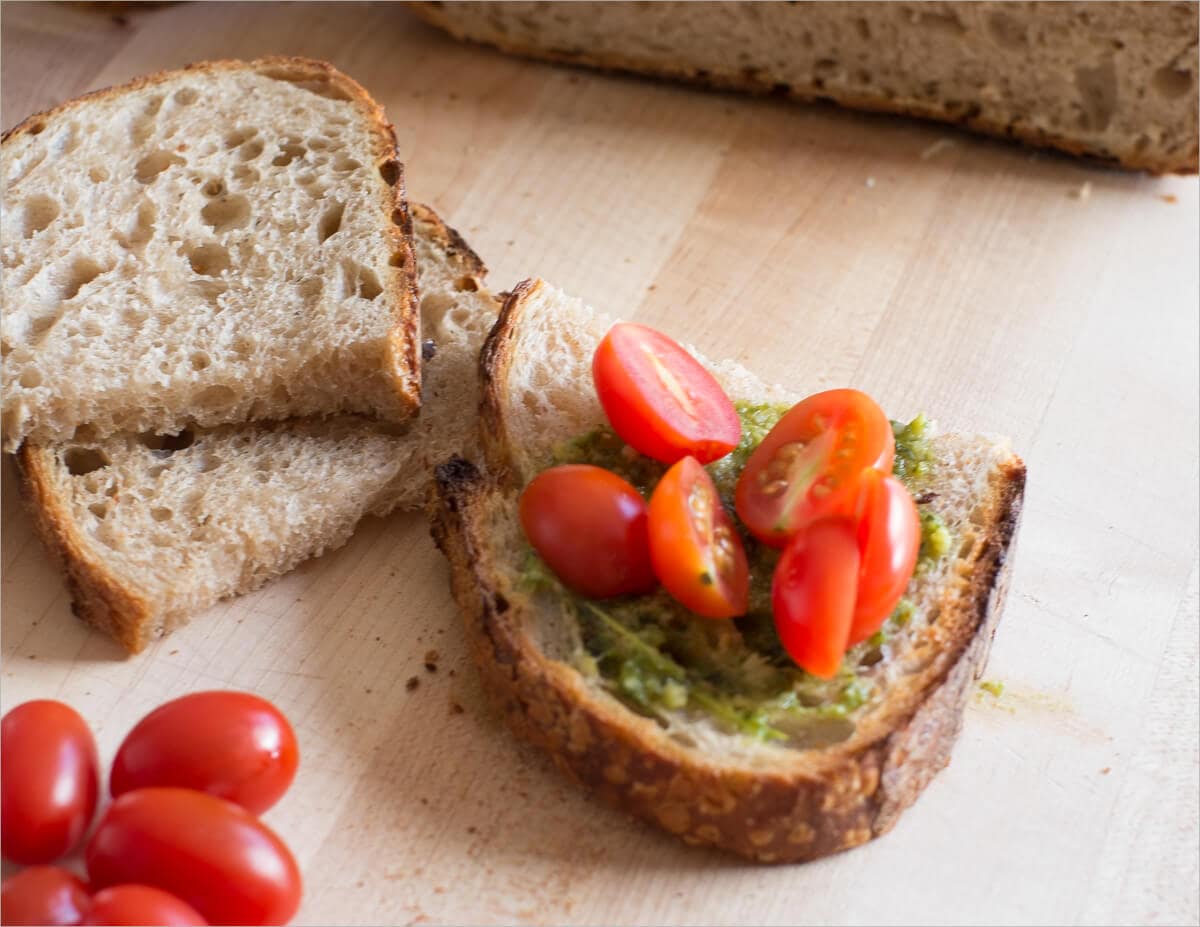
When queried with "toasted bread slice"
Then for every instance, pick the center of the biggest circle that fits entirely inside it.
(225, 243)
(1115, 81)
(152, 529)
(683, 768)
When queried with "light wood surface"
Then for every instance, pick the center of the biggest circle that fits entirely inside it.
(995, 289)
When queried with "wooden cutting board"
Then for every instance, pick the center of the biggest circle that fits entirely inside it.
(994, 288)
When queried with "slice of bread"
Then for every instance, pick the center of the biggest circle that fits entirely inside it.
(151, 529)
(224, 243)
(1110, 80)
(683, 767)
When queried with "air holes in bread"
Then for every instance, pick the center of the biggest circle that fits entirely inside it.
(99, 509)
(251, 150)
(37, 128)
(321, 86)
(159, 513)
(82, 272)
(200, 360)
(1171, 83)
(186, 96)
(389, 171)
(227, 212)
(368, 284)
(239, 137)
(39, 212)
(154, 164)
(81, 461)
(208, 260)
(142, 229)
(214, 187)
(243, 346)
(399, 218)
(166, 445)
(245, 175)
(330, 221)
(98, 174)
(310, 288)
(216, 398)
(30, 379)
(466, 284)
(1098, 95)
(343, 164)
(289, 151)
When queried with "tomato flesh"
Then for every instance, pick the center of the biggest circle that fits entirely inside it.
(813, 594)
(130, 905)
(659, 399)
(234, 745)
(49, 781)
(808, 466)
(589, 525)
(694, 546)
(889, 539)
(43, 895)
(206, 851)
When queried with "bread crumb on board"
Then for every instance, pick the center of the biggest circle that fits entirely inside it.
(1082, 192)
(412, 683)
(1169, 198)
(942, 144)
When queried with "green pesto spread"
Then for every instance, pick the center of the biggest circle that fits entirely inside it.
(657, 657)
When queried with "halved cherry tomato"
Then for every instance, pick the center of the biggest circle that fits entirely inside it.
(234, 745)
(809, 464)
(813, 594)
(660, 399)
(589, 525)
(43, 895)
(695, 549)
(49, 779)
(131, 905)
(889, 539)
(209, 852)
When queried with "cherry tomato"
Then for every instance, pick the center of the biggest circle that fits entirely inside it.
(809, 464)
(131, 905)
(813, 594)
(694, 547)
(589, 525)
(43, 895)
(234, 745)
(660, 399)
(209, 852)
(49, 779)
(889, 539)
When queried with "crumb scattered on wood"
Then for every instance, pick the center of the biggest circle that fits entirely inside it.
(1082, 192)
(1106, 770)
(412, 683)
(456, 709)
(1169, 198)
(942, 144)
(431, 661)
(870, 183)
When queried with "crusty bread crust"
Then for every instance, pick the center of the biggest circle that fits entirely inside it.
(963, 115)
(785, 812)
(403, 355)
(99, 596)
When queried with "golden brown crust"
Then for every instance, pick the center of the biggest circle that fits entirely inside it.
(793, 810)
(450, 242)
(963, 115)
(97, 596)
(404, 355)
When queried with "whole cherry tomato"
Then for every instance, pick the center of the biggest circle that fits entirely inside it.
(813, 594)
(209, 852)
(660, 399)
(43, 895)
(696, 551)
(889, 539)
(234, 745)
(131, 905)
(49, 780)
(809, 465)
(589, 525)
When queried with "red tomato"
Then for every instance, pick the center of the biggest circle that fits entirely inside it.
(211, 853)
(660, 399)
(695, 549)
(234, 745)
(131, 905)
(889, 539)
(49, 779)
(43, 895)
(808, 466)
(813, 594)
(589, 525)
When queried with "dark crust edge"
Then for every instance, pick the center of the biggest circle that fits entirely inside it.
(450, 241)
(1186, 162)
(404, 344)
(783, 813)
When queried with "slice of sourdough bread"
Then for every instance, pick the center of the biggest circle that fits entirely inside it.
(151, 529)
(224, 243)
(1111, 80)
(683, 767)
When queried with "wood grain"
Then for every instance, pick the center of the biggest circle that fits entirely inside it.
(995, 289)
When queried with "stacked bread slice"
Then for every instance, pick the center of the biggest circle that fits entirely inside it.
(211, 338)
